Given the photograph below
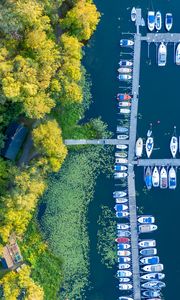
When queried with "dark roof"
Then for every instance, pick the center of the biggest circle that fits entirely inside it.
(15, 135)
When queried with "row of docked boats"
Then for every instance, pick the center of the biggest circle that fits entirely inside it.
(125, 66)
(160, 177)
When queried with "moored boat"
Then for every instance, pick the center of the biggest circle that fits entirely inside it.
(155, 177)
(121, 200)
(133, 14)
(120, 175)
(123, 226)
(148, 178)
(124, 266)
(139, 147)
(119, 194)
(121, 154)
(120, 207)
(122, 97)
(123, 246)
(124, 70)
(162, 55)
(121, 147)
(125, 298)
(125, 63)
(153, 268)
(123, 253)
(121, 161)
(120, 168)
(123, 233)
(124, 259)
(168, 21)
(122, 240)
(150, 260)
(149, 142)
(124, 287)
(124, 77)
(151, 294)
(126, 43)
(155, 284)
(147, 243)
(158, 21)
(122, 136)
(163, 178)
(151, 20)
(124, 279)
(121, 129)
(146, 219)
(124, 111)
(122, 214)
(172, 178)
(178, 54)
(124, 104)
(153, 276)
(148, 251)
(124, 273)
(147, 228)
(174, 143)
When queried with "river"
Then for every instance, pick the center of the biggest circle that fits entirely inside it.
(159, 103)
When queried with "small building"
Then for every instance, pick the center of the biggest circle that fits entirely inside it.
(12, 257)
(14, 138)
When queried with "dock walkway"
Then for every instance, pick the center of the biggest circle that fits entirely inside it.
(96, 142)
(158, 162)
(161, 37)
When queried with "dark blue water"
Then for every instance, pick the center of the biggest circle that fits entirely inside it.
(159, 104)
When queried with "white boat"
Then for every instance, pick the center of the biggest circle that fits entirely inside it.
(125, 111)
(139, 147)
(162, 55)
(148, 251)
(125, 287)
(150, 260)
(120, 207)
(126, 43)
(121, 161)
(155, 284)
(117, 194)
(124, 273)
(147, 228)
(125, 63)
(124, 77)
(151, 294)
(146, 220)
(147, 243)
(172, 178)
(151, 20)
(174, 144)
(158, 21)
(118, 175)
(122, 214)
(133, 14)
(124, 104)
(152, 276)
(125, 298)
(124, 70)
(168, 21)
(124, 259)
(123, 226)
(124, 266)
(149, 146)
(122, 136)
(178, 54)
(155, 177)
(120, 168)
(123, 233)
(153, 268)
(124, 280)
(121, 147)
(121, 200)
(121, 155)
(163, 178)
(121, 129)
(123, 253)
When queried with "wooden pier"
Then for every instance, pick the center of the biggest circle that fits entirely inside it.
(161, 37)
(96, 142)
(166, 162)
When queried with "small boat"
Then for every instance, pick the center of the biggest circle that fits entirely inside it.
(123, 259)
(151, 20)
(174, 144)
(168, 21)
(119, 194)
(124, 77)
(123, 246)
(162, 55)
(143, 22)
(122, 136)
(122, 129)
(123, 226)
(122, 97)
(148, 251)
(125, 63)
(123, 253)
(125, 287)
(147, 228)
(149, 260)
(153, 268)
(147, 243)
(151, 294)
(121, 147)
(124, 70)
(121, 200)
(124, 104)
(148, 178)
(120, 168)
(146, 220)
(124, 111)
(152, 276)
(139, 147)
(122, 240)
(121, 161)
(158, 21)
(163, 178)
(122, 214)
(120, 207)
(155, 177)
(125, 298)
(122, 233)
(124, 273)
(178, 55)
(121, 154)
(172, 178)
(155, 284)
(149, 145)
(133, 14)
(124, 280)
(120, 175)
(124, 266)
(126, 43)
